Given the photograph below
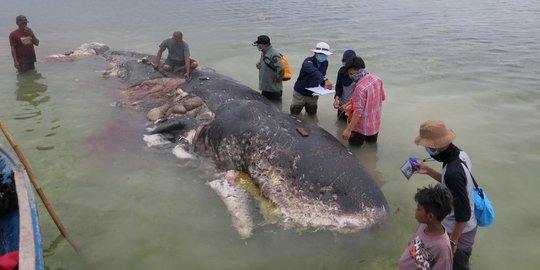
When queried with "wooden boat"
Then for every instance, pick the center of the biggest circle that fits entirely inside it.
(19, 226)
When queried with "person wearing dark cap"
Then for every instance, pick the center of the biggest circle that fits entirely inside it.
(366, 104)
(460, 224)
(270, 68)
(22, 41)
(344, 86)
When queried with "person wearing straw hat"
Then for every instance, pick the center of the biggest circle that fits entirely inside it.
(22, 42)
(461, 222)
(312, 74)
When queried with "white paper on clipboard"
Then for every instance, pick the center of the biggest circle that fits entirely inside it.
(319, 90)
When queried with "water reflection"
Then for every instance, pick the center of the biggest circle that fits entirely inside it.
(31, 91)
(278, 104)
(33, 94)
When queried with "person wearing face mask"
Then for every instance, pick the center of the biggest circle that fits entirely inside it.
(312, 74)
(22, 42)
(271, 70)
(460, 224)
(344, 86)
(367, 104)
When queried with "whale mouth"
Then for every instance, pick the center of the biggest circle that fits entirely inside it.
(306, 215)
(296, 210)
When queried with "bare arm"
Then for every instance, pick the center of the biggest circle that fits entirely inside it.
(456, 233)
(187, 64)
(347, 132)
(158, 59)
(14, 55)
(35, 40)
(424, 169)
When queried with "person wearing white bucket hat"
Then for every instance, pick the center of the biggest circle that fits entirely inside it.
(312, 74)
(460, 224)
(322, 47)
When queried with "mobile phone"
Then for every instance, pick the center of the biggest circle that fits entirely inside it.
(409, 167)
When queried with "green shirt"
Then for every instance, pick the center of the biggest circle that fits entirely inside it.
(271, 68)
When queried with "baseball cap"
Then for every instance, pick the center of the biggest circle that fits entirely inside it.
(262, 39)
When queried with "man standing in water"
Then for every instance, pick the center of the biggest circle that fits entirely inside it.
(178, 59)
(312, 74)
(367, 101)
(270, 69)
(22, 42)
(344, 86)
(461, 222)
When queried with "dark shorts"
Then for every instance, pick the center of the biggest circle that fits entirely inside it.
(358, 139)
(176, 63)
(272, 95)
(341, 115)
(26, 67)
(464, 250)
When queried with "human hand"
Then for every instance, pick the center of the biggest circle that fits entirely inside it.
(27, 30)
(277, 79)
(187, 75)
(346, 134)
(258, 65)
(336, 103)
(156, 67)
(328, 85)
(17, 65)
(422, 168)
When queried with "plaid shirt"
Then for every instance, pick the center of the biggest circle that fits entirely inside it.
(367, 105)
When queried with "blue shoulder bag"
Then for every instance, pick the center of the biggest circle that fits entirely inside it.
(483, 210)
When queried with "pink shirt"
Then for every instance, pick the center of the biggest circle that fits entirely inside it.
(367, 104)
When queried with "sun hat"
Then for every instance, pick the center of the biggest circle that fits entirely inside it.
(262, 39)
(322, 47)
(347, 54)
(434, 134)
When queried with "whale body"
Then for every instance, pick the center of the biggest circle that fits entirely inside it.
(314, 181)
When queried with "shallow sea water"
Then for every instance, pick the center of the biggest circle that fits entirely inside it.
(473, 64)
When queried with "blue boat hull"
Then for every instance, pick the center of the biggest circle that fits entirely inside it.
(19, 228)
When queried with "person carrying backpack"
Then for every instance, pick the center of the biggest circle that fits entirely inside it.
(271, 69)
(460, 224)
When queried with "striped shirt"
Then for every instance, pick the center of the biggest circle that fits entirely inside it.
(367, 104)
